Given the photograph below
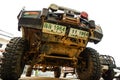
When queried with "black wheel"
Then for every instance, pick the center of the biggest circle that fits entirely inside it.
(89, 67)
(108, 75)
(13, 62)
(57, 72)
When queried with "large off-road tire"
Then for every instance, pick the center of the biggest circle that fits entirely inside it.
(109, 75)
(13, 59)
(89, 67)
(57, 72)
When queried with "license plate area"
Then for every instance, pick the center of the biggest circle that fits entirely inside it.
(76, 33)
(54, 29)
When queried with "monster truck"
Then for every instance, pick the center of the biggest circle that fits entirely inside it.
(54, 37)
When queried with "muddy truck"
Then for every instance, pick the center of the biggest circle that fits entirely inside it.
(53, 37)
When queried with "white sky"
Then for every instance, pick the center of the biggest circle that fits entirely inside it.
(105, 12)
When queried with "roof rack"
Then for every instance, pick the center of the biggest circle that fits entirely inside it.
(55, 7)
